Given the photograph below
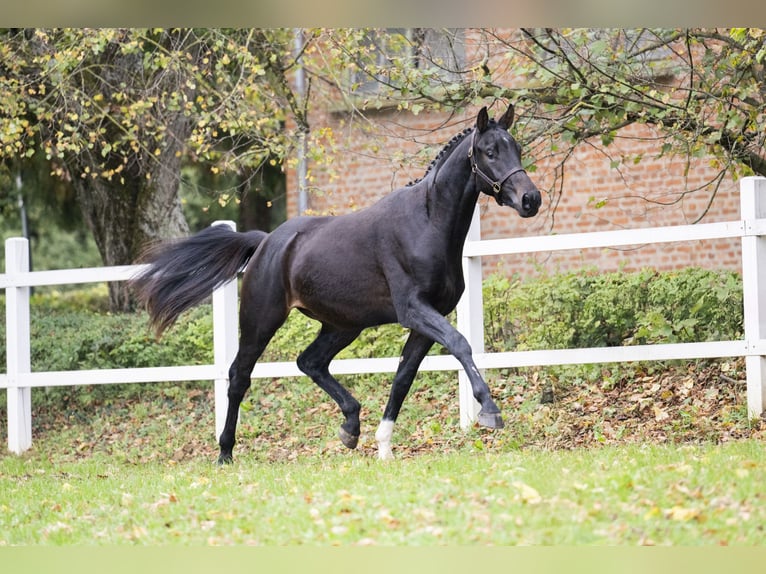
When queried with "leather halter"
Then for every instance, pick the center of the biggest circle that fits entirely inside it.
(496, 185)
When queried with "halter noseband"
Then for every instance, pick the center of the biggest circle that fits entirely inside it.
(496, 185)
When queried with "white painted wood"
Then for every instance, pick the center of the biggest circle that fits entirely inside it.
(114, 376)
(622, 237)
(594, 355)
(753, 207)
(70, 276)
(17, 348)
(389, 364)
(470, 321)
(225, 341)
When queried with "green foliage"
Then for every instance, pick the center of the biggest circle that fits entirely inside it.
(577, 309)
(595, 81)
(697, 305)
(202, 205)
(94, 299)
(52, 247)
(77, 92)
(71, 330)
(299, 331)
(294, 336)
(73, 340)
(113, 115)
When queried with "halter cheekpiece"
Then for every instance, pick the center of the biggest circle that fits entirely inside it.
(496, 185)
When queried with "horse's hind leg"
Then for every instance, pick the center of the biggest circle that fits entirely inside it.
(253, 340)
(315, 362)
(415, 350)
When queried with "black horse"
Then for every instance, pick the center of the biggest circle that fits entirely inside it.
(398, 260)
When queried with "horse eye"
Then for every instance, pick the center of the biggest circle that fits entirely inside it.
(490, 154)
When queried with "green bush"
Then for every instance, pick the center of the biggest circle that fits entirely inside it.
(580, 309)
(695, 305)
(74, 340)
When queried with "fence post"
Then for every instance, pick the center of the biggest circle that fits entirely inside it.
(753, 206)
(470, 321)
(225, 330)
(17, 347)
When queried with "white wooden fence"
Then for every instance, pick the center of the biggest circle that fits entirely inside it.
(751, 228)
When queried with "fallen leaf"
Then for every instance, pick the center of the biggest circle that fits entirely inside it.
(527, 494)
(682, 514)
(660, 414)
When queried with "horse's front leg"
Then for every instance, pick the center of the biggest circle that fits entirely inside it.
(430, 323)
(415, 350)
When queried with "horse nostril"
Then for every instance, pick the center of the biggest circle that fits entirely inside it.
(525, 202)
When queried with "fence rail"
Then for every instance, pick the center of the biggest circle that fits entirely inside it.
(751, 228)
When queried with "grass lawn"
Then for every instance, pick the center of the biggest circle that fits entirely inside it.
(650, 459)
(633, 495)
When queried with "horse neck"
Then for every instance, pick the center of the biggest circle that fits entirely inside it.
(452, 193)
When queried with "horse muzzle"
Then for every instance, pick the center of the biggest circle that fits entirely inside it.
(530, 203)
(526, 203)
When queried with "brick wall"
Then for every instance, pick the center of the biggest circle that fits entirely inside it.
(391, 147)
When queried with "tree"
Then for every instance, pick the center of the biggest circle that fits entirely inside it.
(117, 112)
(702, 90)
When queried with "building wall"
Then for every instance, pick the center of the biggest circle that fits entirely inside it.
(391, 147)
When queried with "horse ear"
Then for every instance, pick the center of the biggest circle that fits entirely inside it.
(482, 119)
(507, 120)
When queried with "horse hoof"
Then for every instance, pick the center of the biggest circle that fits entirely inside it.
(225, 459)
(348, 440)
(491, 420)
(385, 453)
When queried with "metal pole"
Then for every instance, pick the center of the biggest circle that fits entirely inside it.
(23, 216)
(300, 88)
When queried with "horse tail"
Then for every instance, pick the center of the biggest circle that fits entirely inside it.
(181, 274)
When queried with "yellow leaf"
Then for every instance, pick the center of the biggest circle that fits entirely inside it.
(651, 513)
(527, 493)
(682, 514)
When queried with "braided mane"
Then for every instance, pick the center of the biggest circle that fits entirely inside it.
(445, 151)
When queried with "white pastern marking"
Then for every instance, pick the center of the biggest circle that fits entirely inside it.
(383, 437)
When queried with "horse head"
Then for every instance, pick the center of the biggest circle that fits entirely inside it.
(496, 160)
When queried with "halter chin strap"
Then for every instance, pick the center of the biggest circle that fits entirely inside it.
(495, 185)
